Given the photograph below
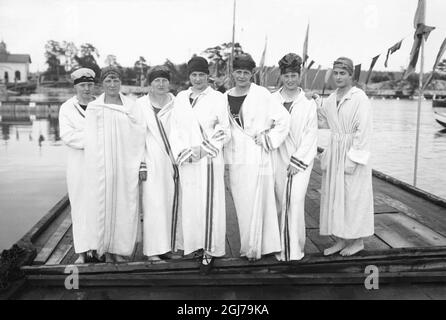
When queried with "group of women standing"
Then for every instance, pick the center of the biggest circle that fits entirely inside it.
(179, 147)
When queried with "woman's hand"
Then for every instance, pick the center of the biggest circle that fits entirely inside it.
(292, 170)
(142, 175)
(258, 139)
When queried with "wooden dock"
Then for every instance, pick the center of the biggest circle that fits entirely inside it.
(409, 247)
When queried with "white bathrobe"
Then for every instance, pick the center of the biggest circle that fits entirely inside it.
(251, 170)
(204, 123)
(347, 195)
(114, 147)
(161, 189)
(298, 150)
(72, 124)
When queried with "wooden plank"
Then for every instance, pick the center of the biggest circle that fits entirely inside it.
(232, 229)
(139, 254)
(310, 222)
(50, 246)
(413, 231)
(46, 234)
(62, 249)
(313, 194)
(46, 221)
(70, 257)
(419, 209)
(375, 243)
(117, 280)
(310, 247)
(418, 193)
(396, 234)
(228, 251)
(363, 258)
(312, 208)
(321, 242)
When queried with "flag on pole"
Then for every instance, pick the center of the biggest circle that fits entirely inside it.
(262, 63)
(372, 65)
(437, 61)
(392, 50)
(310, 65)
(421, 31)
(327, 78)
(420, 14)
(305, 50)
(315, 77)
(357, 73)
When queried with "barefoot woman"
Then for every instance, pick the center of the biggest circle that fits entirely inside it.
(161, 189)
(347, 196)
(294, 159)
(114, 147)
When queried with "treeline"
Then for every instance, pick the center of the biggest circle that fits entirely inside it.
(63, 57)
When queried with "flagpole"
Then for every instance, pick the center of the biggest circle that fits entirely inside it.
(233, 39)
(420, 99)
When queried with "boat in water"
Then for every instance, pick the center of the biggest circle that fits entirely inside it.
(439, 106)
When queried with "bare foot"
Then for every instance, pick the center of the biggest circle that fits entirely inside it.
(90, 254)
(338, 246)
(352, 249)
(155, 259)
(119, 258)
(80, 259)
(175, 256)
(109, 258)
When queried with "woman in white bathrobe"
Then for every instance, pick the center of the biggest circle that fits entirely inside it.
(347, 195)
(71, 124)
(114, 148)
(259, 125)
(161, 189)
(200, 128)
(293, 160)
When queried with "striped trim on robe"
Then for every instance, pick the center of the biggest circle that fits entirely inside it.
(176, 179)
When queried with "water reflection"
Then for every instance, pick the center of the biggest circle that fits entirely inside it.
(32, 166)
(39, 123)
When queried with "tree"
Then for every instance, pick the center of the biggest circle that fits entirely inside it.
(53, 52)
(68, 52)
(141, 68)
(179, 77)
(110, 60)
(87, 58)
(380, 77)
(219, 57)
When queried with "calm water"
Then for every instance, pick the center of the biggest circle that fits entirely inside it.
(33, 159)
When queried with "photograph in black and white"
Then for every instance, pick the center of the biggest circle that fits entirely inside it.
(222, 150)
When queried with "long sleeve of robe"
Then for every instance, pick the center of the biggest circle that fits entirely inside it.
(347, 195)
(71, 124)
(251, 171)
(114, 147)
(72, 132)
(203, 211)
(298, 150)
(159, 189)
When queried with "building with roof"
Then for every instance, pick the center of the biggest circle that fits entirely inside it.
(13, 67)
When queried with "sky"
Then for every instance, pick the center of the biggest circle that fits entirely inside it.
(177, 29)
